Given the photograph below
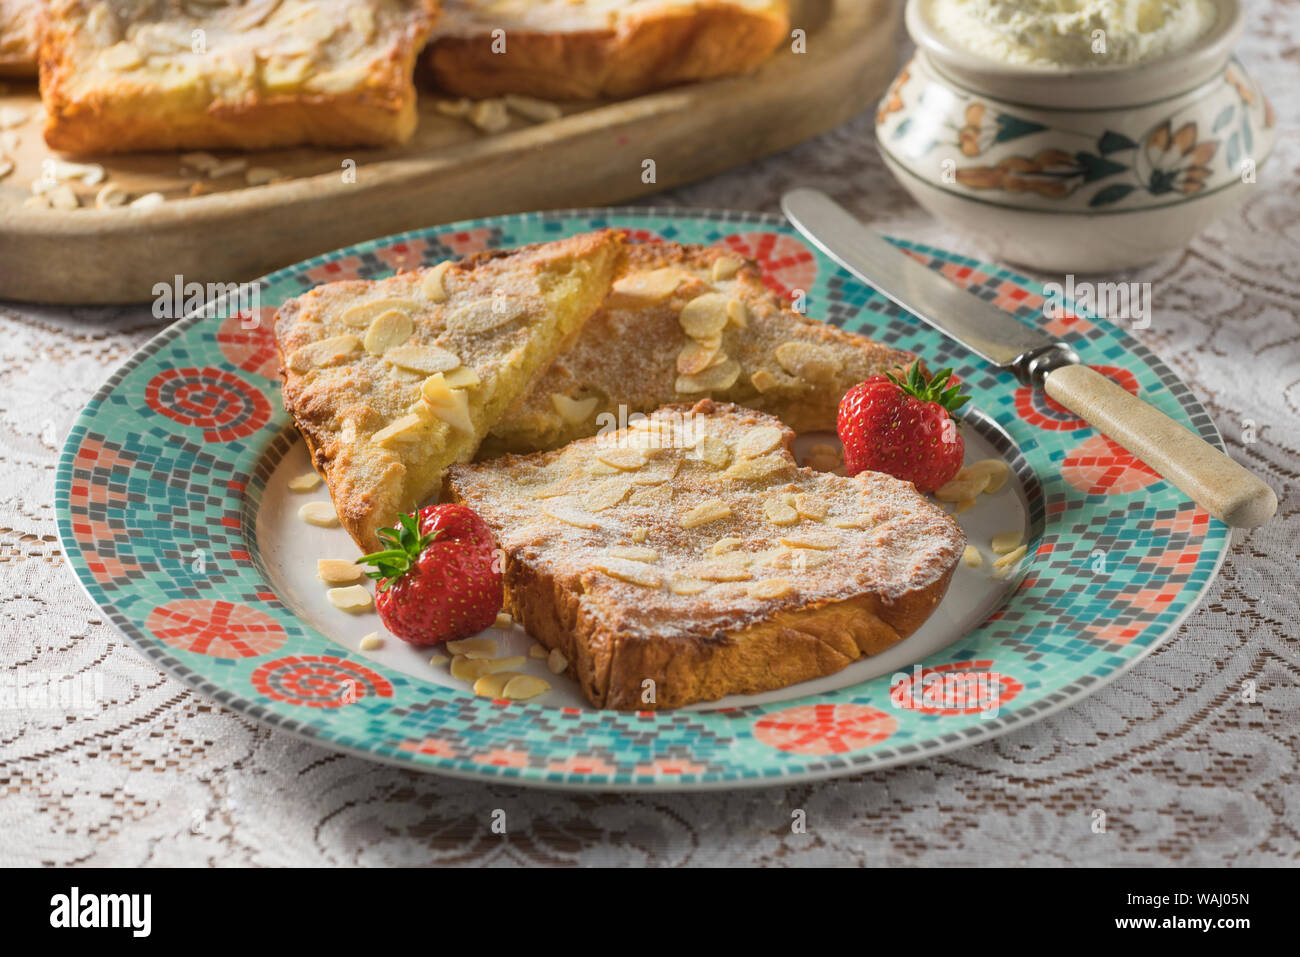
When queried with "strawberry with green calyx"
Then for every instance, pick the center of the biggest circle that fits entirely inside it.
(439, 577)
(904, 427)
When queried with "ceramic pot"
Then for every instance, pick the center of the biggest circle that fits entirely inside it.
(1072, 170)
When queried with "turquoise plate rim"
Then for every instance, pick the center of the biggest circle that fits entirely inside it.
(759, 764)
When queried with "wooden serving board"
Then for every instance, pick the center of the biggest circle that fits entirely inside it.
(592, 156)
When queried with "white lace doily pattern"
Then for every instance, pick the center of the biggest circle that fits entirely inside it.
(1192, 758)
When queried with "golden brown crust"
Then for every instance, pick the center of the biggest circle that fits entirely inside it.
(497, 320)
(606, 53)
(323, 73)
(19, 42)
(626, 358)
(785, 599)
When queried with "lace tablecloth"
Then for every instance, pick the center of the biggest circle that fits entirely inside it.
(1186, 770)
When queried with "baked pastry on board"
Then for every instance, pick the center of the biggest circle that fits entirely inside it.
(582, 49)
(685, 323)
(119, 76)
(691, 552)
(390, 381)
(19, 41)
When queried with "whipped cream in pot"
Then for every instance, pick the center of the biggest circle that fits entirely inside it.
(1071, 33)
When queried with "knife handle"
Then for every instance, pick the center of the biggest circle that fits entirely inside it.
(1207, 476)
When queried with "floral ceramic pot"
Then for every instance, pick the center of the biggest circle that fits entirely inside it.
(1077, 170)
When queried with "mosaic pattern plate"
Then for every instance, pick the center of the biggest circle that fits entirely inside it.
(163, 477)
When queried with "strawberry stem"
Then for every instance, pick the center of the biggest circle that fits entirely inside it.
(405, 544)
(932, 389)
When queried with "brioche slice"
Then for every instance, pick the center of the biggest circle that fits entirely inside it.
(119, 75)
(390, 381)
(689, 550)
(19, 40)
(684, 323)
(581, 49)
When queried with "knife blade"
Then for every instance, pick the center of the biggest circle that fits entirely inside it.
(1209, 477)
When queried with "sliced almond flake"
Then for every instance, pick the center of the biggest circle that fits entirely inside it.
(438, 659)
(110, 196)
(147, 201)
(372, 642)
(720, 572)
(819, 542)
(361, 314)
(808, 360)
(426, 359)
(522, 687)
(627, 460)
(963, 505)
(695, 357)
(305, 482)
(432, 282)
(319, 513)
(200, 161)
(771, 588)
(650, 286)
(490, 116)
(635, 573)
(723, 545)
(556, 662)
(402, 429)
(471, 669)
(503, 620)
(708, 511)
(457, 108)
(491, 686)
(758, 440)
(704, 316)
(1010, 558)
(725, 268)
(652, 495)
(571, 516)
(339, 571)
(447, 404)
(996, 470)
(323, 352)
(848, 523)
(62, 197)
(687, 586)
(737, 314)
(574, 411)
(809, 507)
(640, 533)
(757, 468)
(537, 651)
(632, 553)
(473, 647)
(387, 330)
(972, 557)
(462, 378)
(606, 493)
(353, 598)
(483, 315)
(712, 450)
(779, 513)
(531, 108)
(715, 378)
(960, 489)
(800, 559)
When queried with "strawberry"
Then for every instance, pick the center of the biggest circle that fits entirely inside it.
(904, 428)
(439, 579)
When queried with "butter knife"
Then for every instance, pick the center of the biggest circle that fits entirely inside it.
(1208, 477)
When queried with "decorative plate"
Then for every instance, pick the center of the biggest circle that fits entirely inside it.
(174, 511)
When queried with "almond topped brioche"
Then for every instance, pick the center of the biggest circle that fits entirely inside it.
(390, 381)
(120, 75)
(690, 551)
(689, 322)
(579, 49)
(19, 42)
